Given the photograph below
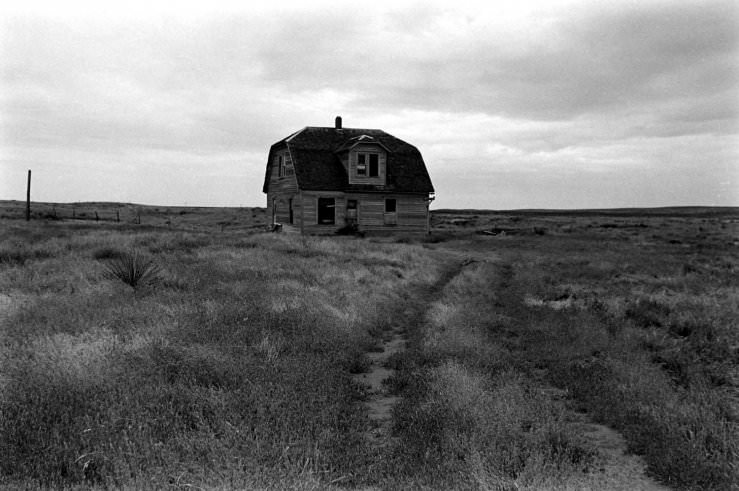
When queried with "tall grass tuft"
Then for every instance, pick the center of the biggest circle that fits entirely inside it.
(132, 268)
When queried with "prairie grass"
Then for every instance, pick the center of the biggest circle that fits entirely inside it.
(469, 418)
(232, 371)
(638, 330)
(643, 343)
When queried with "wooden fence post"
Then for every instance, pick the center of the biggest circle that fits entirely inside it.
(28, 197)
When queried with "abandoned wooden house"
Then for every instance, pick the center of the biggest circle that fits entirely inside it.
(323, 179)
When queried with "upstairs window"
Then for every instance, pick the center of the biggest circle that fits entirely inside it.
(280, 166)
(289, 169)
(362, 164)
(368, 164)
(374, 166)
(284, 165)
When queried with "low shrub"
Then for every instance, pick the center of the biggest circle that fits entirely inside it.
(132, 268)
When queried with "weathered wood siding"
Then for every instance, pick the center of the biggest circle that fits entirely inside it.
(282, 205)
(277, 183)
(282, 190)
(366, 179)
(309, 205)
(410, 212)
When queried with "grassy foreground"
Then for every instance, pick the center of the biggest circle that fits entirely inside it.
(231, 367)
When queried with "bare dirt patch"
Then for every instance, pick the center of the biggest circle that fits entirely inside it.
(380, 402)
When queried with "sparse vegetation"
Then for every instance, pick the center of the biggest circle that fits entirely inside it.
(236, 370)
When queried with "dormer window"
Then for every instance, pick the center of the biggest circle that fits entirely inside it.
(368, 164)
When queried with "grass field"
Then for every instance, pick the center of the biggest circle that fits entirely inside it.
(230, 365)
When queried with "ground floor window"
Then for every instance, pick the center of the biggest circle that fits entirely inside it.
(351, 211)
(326, 211)
(391, 206)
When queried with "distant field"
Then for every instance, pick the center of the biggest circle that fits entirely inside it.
(174, 217)
(668, 211)
(235, 363)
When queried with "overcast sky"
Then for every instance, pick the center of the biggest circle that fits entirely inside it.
(513, 104)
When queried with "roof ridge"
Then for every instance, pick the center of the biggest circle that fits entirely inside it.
(295, 134)
(341, 129)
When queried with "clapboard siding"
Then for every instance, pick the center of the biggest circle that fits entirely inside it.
(410, 211)
(310, 212)
(281, 190)
(281, 184)
(282, 207)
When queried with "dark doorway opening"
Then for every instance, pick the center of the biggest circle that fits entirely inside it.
(326, 211)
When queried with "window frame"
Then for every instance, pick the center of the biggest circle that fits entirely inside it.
(331, 206)
(368, 164)
(289, 170)
(362, 164)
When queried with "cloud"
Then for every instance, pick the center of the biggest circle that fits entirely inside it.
(597, 61)
(534, 89)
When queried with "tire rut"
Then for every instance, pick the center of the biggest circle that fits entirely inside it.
(381, 401)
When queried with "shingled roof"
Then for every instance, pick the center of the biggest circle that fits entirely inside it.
(315, 156)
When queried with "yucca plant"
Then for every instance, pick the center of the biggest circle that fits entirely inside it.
(132, 268)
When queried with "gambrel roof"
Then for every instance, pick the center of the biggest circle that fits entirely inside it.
(315, 153)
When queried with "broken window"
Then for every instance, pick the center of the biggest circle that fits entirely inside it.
(374, 166)
(368, 164)
(289, 170)
(361, 164)
(326, 211)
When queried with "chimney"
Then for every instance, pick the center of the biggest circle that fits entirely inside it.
(338, 122)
